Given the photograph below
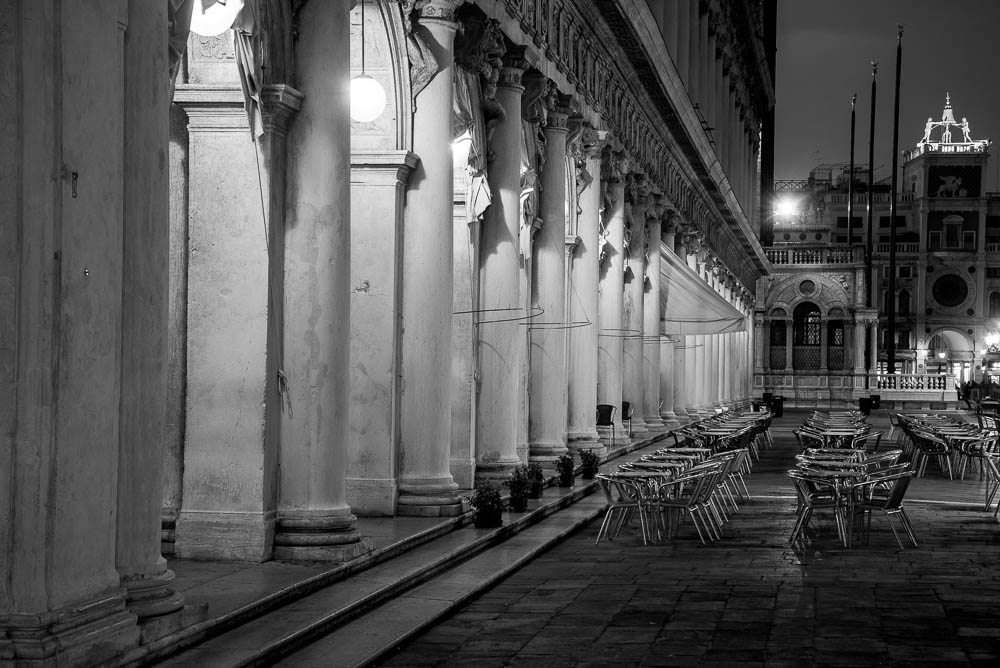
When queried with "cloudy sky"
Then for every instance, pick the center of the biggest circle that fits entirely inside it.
(824, 49)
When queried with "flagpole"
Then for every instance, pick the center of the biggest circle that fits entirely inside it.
(891, 351)
(850, 181)
(869, 247)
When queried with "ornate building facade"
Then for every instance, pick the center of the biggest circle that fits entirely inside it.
(234, 319)
(818, 321)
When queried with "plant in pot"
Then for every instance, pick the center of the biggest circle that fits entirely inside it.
(519, 485)
(488, 504)
(589, 462)
(536, 476)
(566, 469)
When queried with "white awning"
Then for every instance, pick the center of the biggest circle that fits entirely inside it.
(689, 305)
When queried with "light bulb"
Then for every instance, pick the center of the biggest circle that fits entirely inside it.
(367, 99)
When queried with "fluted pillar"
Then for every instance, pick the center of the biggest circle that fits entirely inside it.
(632, 382)
(610, 351)
(762, 351)
(694, 383)
(314, 520)
(547, 399)
(651, 330)
(714, 369)
(499, 273)
(425, 483)
(584, 300)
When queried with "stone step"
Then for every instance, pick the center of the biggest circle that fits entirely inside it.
(434, 576)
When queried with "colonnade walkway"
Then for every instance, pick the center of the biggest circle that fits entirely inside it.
(750, 598)
(539, 592)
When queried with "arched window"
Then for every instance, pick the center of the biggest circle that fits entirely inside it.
(904, 303)
(995, 304)
(806, 336)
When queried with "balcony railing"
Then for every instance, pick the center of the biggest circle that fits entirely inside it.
(815, 255)
(914, 382)
(905, 247)
(878, 198)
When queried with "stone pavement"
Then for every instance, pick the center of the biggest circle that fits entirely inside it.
(750, 599)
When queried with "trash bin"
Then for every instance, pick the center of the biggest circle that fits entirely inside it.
(876, 400)
(865, 403)
(778, 405)
(756, 404)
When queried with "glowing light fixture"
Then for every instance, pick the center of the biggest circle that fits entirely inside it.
(367, 94)
(942, 354)
(786, 206)
(216, 18)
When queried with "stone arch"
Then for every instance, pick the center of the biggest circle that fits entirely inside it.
(387, 62)
(829, 291)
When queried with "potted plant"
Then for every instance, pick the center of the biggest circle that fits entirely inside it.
(519, 485)
(537, 478)
(589, 462)
(566, 469)
(488, 504)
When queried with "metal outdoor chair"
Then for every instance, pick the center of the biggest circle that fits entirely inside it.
(606, 418)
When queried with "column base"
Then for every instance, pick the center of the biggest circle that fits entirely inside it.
(232, 536)
(87, 633)
(639, 427)
(495, 472)
(463, 472)
(168, 532)
(157, 606)
(654, 424)
(319, 535)
(354, 545)
(538, 450)
(436, 497)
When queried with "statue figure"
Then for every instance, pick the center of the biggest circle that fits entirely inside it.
(950, 187)
(927, 130)
(965, 130)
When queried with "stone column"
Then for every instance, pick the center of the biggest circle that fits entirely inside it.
(425, 483)
(632, 382)
(822, 346)
(859, 346)
(610, 351)
(547, 409)
(762, 350)
(651, 329)
(681, 386)
(499, 275)
(715, 370)
(668, 362)
(314, 520)
(873, 336)
(789, 345)
(694, 374)
(725, 370)
(62, 235)
(145, 279)
(584, 304)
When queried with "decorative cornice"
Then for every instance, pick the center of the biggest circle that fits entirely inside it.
(278, 104)
(515, 63)
(441, 10)
(559, 114)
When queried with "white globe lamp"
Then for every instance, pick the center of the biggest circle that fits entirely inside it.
(367, 94)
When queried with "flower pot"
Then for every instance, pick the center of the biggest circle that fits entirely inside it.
(536, 491)
(489, 518)
(588, 474)
(518, 504)
(566, 480)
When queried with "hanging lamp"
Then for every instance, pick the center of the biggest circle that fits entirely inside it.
(367, 94)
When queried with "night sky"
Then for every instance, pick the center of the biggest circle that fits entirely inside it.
(824, 49)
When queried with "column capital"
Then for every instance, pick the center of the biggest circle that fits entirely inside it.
(559, 115)
(278, 105)
(442, 10)
(515, 64)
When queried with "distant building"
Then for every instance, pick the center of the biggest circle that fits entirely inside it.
(816, 322)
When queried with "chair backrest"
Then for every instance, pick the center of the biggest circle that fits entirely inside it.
(898, 491)
(606, 415)
(626, 410)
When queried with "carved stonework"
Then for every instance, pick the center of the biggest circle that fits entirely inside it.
(514, 65)
(538, 98)
(560, 112)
